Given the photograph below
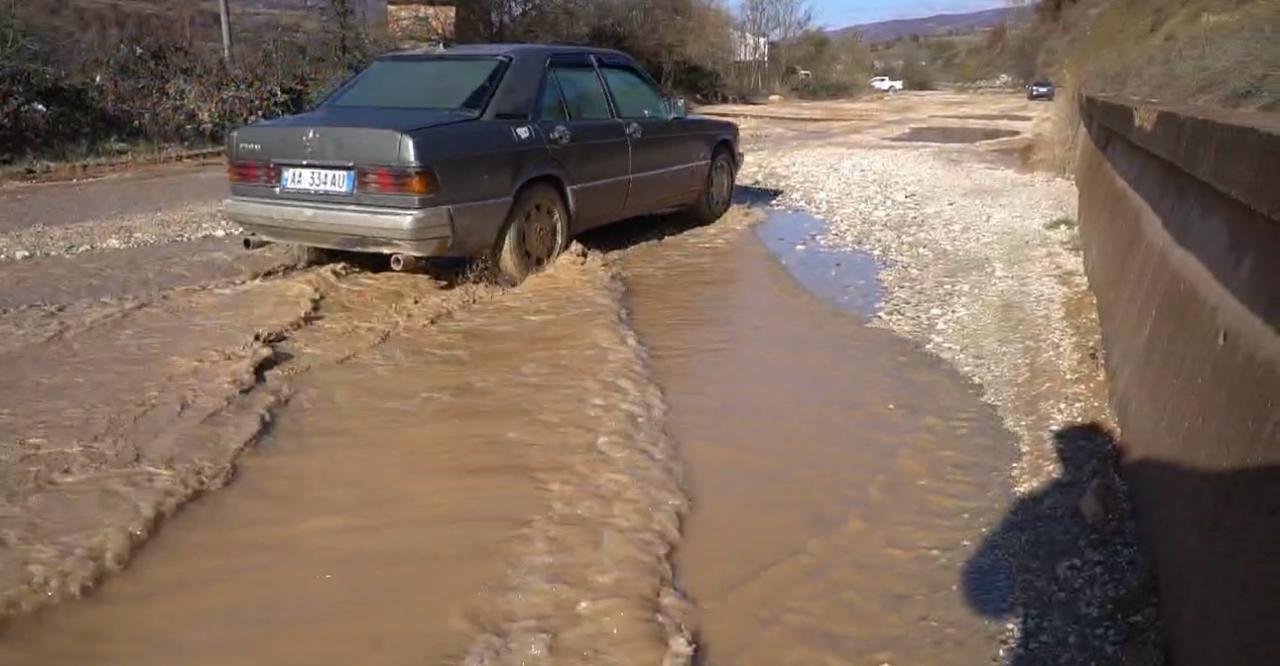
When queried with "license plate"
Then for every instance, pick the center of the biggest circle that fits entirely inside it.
(331, 181)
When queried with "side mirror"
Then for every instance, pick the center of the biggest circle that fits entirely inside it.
(677, 108)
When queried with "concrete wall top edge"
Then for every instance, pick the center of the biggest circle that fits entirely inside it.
(1236, 152)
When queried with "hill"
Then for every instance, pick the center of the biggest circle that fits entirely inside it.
(940, 24)
(1205, 52)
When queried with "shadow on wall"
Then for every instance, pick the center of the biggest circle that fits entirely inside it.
(1180, 226)
(1062, 566)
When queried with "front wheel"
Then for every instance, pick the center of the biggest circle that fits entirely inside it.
(536, 231)
(718, 190)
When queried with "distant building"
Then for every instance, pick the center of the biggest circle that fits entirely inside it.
(749, 48)
(414, 23)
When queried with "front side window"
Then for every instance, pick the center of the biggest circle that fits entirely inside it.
(583, 96)
(441, 84)
(633, 95)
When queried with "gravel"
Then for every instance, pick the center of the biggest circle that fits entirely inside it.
(980, 268)
(176, 225)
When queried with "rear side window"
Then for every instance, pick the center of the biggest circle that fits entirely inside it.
(551, 107)
(428, 83)
(583, 97)
(633, 95)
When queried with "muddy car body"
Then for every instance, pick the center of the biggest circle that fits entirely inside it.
(479, 151)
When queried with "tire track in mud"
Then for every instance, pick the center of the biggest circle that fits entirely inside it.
(110, 425)
(593, 582)
(117, 413)
(545, 384)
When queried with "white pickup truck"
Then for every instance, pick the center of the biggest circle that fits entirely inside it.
(886, 84)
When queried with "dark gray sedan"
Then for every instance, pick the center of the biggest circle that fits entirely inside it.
(1040, 90)
(500, 151)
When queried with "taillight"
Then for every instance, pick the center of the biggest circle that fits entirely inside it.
(253, 173)
(381, 180)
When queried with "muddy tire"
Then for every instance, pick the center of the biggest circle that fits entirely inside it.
(536, 232)
(717, 192)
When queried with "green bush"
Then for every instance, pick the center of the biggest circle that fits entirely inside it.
(170, 94)
(42, 112)
(56, 102)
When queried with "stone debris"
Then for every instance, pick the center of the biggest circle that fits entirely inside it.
(171, 226)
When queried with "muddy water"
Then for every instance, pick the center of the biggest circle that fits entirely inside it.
(489, 484)
(838, 475)
(954, 134)
(843, 278)
(484, 477)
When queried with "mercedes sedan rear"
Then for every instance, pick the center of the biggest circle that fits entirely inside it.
(499, 151)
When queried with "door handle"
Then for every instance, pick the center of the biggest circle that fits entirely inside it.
(634, 131)
(560, 134)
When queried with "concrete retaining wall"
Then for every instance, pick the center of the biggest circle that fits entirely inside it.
(1180, 221)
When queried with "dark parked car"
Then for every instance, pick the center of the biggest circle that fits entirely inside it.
(503, 151)
(1040, 90)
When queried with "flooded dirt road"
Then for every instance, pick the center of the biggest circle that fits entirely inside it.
(147, 190)
(475, 476)
(462, 487)
(680, 446)
(838, 475)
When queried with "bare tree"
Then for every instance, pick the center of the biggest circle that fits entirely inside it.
(780, 22)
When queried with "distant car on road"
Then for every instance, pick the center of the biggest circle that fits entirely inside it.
(886, 84)
(499, 151)
(1040, 90)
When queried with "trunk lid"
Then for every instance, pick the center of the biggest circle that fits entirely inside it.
(338, 136)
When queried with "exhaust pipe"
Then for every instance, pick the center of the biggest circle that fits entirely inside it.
(407, 263)
(255, 242)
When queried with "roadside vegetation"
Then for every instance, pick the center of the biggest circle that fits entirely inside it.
(1212, 53)
(85, 79)
(1207, 52)
(81, 80)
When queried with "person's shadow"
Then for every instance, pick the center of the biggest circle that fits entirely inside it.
(1064, 566)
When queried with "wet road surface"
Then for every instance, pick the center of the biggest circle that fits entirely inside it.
(467, 475)
(144, 191)
(839, 477)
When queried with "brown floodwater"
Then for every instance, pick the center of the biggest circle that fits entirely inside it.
(839, 477)
(481, 476)
(488, 486)
(953, 134)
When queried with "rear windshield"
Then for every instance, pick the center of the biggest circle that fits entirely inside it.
(427, 83)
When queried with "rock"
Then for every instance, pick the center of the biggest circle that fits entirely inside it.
(21, 254)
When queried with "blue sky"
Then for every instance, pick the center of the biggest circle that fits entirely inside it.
(841, 13)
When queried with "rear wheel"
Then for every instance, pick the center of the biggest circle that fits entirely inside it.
(536, 231)
(717, 192)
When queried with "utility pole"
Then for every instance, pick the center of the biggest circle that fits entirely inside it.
(226, 30)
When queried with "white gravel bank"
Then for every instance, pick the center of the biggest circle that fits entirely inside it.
(172, 226)
(971, 271)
